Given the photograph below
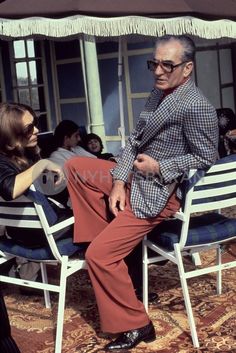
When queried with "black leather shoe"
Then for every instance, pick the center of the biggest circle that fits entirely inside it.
(152, 297)
(130, 339)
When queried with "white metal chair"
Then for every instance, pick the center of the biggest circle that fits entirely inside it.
(190, 233)
(38, 214)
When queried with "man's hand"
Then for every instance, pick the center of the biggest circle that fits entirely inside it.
(117, 197)
(146, 165)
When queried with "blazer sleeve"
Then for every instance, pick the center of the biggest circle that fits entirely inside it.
(126, 161)
(200, 130)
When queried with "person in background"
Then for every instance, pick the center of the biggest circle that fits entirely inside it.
(176, 131)
(66, 138)
(227, 128)
(230, 141)
(7, 342)
(93, 144)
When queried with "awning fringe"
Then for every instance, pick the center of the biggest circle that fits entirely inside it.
(116, 26)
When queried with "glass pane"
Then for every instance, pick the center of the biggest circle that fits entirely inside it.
(39, 71)
(35, 99)
(207, 75)
(36, 75)
(24, 96)
(138, 70)
(43, 126)
(22, 74)
(19, 49)
(32, 70)
(30, 48)
(67, 49)
(106, 47)
(228, 98)
(41, 96)
(70, 81)
(144, 42)
(226, 66)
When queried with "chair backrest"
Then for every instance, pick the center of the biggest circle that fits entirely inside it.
(32, 212)
(214, 191)
(20, 212)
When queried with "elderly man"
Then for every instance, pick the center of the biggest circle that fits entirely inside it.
(177, 131)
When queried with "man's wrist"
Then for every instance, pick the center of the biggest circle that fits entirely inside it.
(118, 182)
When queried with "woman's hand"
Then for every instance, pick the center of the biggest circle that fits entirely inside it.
(26, 178)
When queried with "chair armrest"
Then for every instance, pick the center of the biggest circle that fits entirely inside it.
(56, 202)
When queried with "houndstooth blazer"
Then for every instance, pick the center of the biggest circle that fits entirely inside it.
(180, 132)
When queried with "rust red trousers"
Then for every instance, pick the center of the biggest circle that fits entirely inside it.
(89, 185)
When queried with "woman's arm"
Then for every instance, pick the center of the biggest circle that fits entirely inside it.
(24, 179)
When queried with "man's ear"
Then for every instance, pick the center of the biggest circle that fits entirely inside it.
(188, 68)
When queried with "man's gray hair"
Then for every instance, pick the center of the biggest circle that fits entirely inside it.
(187, 43)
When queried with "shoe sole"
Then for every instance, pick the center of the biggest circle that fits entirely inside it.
(149, 339)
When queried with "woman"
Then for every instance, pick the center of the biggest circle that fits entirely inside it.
(20, 163)
(20, 166)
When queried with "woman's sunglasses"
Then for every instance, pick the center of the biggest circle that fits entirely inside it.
(29, 129)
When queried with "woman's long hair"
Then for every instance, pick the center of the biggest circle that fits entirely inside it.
(12, 138)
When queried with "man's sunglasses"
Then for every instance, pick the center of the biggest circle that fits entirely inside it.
(165, 65)
(29, 129)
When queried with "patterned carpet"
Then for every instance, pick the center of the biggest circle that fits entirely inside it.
(33, 325)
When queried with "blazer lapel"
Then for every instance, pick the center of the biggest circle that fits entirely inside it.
(164, 111)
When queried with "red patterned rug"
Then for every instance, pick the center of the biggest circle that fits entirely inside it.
(33, 326)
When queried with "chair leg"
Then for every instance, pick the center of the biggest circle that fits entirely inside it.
(196, 259)
(61, 305)
(47, 300)
(219, 272)
(145, 274)
(187, 301)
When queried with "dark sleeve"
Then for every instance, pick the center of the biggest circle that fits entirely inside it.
(7, 180)
(106, 156)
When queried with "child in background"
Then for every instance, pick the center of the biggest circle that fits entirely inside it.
(94, 145)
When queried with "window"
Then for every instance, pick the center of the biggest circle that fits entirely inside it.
(28, 77)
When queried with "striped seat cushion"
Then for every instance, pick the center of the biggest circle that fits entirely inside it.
(65, 247)
(204, 229)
